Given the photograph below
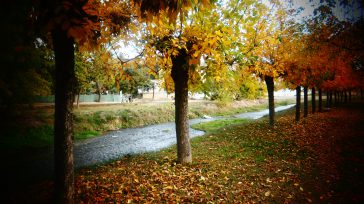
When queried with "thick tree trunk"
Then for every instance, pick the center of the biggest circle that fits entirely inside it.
(320, 100)
(180, 78)
(313, 100)
(330, 101)
(335, 97)
(270, 87)
(327, 99)
(63, 123)
(298, 103)
(345, 96)
(305, 101)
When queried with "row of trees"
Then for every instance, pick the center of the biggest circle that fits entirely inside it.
(328, 58)
(241, 40)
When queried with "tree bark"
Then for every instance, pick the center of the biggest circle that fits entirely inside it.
(98, 91)
(305, 101)
(78, 98)
(153, 91)
(270, 87)
(63, 123)
(313, 100)
(320, 100)
(180, 78)
(298, 103)
(345, 96)
(350, 96)
(330, 101)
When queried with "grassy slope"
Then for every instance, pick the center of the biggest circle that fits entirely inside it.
(35, 126)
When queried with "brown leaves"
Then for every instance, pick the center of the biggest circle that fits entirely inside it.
(292, 162)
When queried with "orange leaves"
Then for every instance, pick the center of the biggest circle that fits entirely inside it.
(172, 9)
(292, 162)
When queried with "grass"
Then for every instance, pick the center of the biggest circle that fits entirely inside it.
(35, 137)
(85, 135)
(236, 161)
(216, 125)
(35, 128)
(249, 162)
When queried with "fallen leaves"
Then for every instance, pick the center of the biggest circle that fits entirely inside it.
(289, 163)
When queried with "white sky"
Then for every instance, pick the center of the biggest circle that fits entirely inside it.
(352, 11)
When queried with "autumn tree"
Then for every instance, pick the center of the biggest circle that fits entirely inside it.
(272, 39)
(65, 23)
(244, 19)
(27, 62)
(180, 46)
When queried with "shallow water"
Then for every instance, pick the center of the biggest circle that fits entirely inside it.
(151, 138)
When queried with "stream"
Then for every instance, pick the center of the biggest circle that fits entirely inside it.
(151, 138)
(31, 166)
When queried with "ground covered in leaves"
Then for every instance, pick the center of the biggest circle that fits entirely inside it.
(319, 159)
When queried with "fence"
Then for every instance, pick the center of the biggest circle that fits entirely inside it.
(89, 98)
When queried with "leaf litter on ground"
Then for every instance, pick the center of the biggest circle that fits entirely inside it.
(317, 160)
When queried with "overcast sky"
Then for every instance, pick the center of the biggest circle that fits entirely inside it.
(351, 11)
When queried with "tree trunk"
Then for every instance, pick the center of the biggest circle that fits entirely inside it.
(78, 99)
(153, 91)
(98, 91)
(345, 96)
(305, 101)
(117, 84)
(340, 97)
(298, 103)
(313, 100)
(350, 96)
(335, 97)
(270, 87)
(327, 99)
(63, 122)
(180, 78)
(330, 101)
(320, 100)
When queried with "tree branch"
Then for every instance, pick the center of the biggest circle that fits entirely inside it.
(122, 62)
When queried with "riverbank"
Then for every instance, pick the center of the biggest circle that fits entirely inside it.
(317, 160)
(27, 165)
(32, 127)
